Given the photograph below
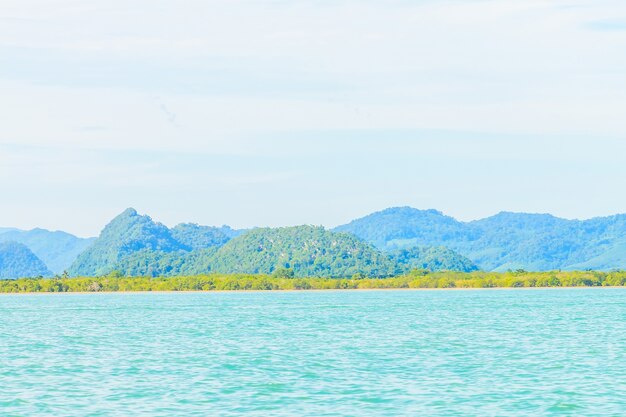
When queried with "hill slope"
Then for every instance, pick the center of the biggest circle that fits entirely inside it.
(504, 241)
(194, 236)
(127, 233)
(17, 261)
(406, 227)
(136, 245)
(56, 249)
(308, 250)
(432, 258)
(288, 250)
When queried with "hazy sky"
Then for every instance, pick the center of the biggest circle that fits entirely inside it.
(290, 112)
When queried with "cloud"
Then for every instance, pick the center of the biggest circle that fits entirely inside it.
(328, 104)
(609, 25)
(171, 117)
(480, 65)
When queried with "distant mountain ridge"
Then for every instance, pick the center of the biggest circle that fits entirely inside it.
(127, 233)
(56, 249)
(400, 238)
(143, 245)
(134, 244)
(503, 241)
(16, 261)
(194, 236)
(432, 258)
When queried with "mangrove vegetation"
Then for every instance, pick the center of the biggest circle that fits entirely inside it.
(283, 279)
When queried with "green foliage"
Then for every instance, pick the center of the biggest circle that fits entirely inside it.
(134, 245)
(16, 260)
(506, 241)
(230, 232)
(146, 262)
(151, 263)
(307, 250)
(283, 273)
(436, 258)
(126, 234)
(195, 236)
(405, 227)
(409, 239)
(262, 282)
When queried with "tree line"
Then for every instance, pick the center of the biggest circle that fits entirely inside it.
(283, 280)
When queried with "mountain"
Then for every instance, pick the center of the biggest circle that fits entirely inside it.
(304, 250)
(505, 241)
(125, 234)
(307, 250)
(56, 249)
(301, 250)
(195, 236)
(406, 227)
(136, 245)
(401, 238)
(230, 232)
(432, 258)
(17, 261)
(535, 242)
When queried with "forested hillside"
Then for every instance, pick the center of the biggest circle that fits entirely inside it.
(16, 261)
(194, 236)
(135, 245)
(306, 250)
(401, 239)
(298, 251)
(505, 241)
(126, 234)
(432, 258)
(406, 227)
(56, 249)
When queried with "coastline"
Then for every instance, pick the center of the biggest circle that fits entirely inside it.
(598, 287)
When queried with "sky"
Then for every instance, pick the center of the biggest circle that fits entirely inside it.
(275, 113)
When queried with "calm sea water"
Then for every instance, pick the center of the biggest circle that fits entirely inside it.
(351, 353)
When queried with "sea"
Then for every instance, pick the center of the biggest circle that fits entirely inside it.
(536, 352)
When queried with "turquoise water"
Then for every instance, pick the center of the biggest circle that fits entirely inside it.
(351, 353)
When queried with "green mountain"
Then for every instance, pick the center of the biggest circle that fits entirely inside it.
(432, 258)
(301, 251)
(505, 241)
(307, 250)
(126, 234)
(230, 232)
(56, 249)
(134, 244)
(17, 261)
(195, 236)
(406, 227)
(401, 238)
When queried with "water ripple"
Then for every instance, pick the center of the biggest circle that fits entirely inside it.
(371, 353)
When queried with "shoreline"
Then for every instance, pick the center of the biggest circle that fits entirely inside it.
(314, 290)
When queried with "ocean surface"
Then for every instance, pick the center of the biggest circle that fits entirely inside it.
(553, 352)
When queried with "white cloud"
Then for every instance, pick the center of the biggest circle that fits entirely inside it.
(273, 82)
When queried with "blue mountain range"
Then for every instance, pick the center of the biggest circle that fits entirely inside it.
(390, 241)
